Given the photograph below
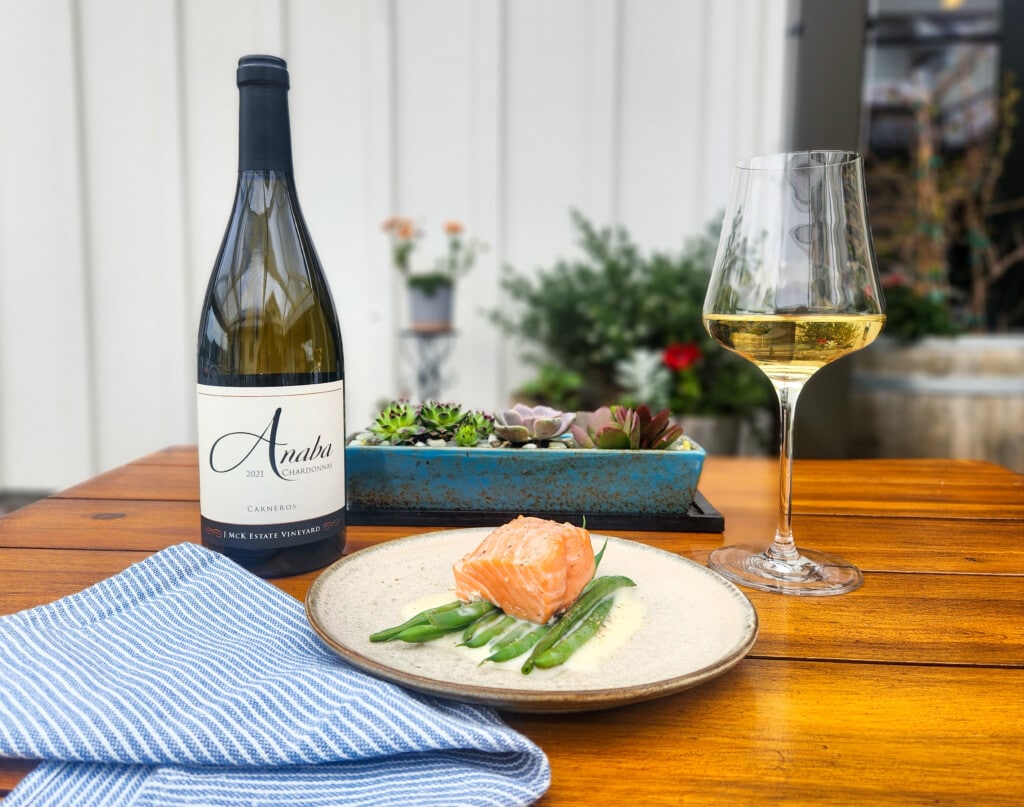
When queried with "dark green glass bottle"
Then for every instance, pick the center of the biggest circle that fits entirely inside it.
(270, 365)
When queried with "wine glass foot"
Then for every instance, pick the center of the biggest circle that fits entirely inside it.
(813, 574)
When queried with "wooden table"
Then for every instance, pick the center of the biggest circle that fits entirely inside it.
(908, 691)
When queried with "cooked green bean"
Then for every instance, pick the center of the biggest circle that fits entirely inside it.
(478, 624)
(519, 646)
(419, 619)
(561, 650)
(513, 635)
(461, 616)
(482, 637)
(595, 591)
(423, 633)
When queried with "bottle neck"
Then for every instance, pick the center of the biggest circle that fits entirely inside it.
(264, 134)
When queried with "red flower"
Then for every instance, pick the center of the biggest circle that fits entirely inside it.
(679, 357)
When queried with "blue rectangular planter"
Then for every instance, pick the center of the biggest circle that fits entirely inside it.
(580, 482)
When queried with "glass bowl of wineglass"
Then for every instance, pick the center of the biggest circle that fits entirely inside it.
(794, 286)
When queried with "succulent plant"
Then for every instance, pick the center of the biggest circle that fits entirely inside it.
(620, 427)
(441, 419)
(467, 436)
(481, 422)
(401, 423)
(473, 429)
(657, 432)
(397, 424)
(607, 427)
(526, 424)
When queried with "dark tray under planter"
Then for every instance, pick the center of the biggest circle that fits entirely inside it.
(423, 486)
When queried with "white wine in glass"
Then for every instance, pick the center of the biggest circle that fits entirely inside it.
(794, 287)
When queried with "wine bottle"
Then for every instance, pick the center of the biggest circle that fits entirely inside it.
(270, 368)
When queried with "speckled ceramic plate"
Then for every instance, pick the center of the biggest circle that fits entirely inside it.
(696, 625)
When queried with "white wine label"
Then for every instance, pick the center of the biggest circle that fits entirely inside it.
(270, 457)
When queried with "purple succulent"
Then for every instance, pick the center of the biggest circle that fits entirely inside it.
(657, 432)
(525, 424)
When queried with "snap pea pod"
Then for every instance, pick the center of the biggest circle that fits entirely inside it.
(419, 619)
(461, 616)
(594, 592)
(482, 637)
(519, 646)
(561, 650)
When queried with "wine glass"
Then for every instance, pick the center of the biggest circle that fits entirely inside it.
(794, 287)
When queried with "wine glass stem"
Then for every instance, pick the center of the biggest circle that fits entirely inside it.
(783, 548)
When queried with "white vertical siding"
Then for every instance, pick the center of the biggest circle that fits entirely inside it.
(664, 137)
(134, 210)
(48, 420)
(443, 115)
(120, 141)
(341, 64)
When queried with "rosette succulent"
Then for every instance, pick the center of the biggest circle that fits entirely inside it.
(480, 422)
(531, 424)
(466, 436)
(401, 423)
(397, 424)
(619, 427)
(441, 419)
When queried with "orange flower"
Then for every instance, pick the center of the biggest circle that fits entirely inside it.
(404, 236)
(406, 230)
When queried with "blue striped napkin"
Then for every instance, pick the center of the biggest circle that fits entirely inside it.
(187, 680)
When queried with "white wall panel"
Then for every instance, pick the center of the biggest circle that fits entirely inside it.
(549, 133)
(339, 98)
(434, 134)
(602, 170)
(479, 355)
(47, 434)
(550, 99)
(665, 109)
(501, 114)
(134, 206)
(448, 60)
(745, 43)
(770, 67)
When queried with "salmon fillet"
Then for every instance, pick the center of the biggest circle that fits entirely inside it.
(530, 568)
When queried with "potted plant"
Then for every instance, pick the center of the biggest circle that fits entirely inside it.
(437, 460)
(431, 292)
(617, 324)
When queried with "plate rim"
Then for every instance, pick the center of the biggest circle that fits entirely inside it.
(541, 701)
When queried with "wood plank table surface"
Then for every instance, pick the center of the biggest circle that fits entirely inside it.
(908, 691)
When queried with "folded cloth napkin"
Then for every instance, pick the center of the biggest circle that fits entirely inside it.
(187, 680)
